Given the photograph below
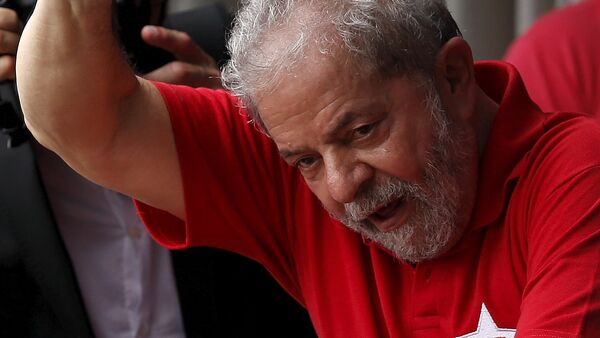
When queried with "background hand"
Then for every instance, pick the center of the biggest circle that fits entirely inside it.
(193, 67)
(10, 33)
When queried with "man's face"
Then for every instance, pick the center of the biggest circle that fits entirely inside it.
(378, 157)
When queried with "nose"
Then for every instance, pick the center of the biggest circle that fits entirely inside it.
(345, 178)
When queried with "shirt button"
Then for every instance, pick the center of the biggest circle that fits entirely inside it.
(134, 232)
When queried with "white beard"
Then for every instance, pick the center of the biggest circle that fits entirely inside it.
(436, 223)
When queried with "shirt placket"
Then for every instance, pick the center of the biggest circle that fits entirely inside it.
(426, 317)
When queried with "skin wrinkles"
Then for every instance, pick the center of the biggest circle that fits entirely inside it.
(340, 130)
(281, 117)
(393, 158)
(343, 164)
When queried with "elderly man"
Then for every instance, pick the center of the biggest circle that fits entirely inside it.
(423, 196)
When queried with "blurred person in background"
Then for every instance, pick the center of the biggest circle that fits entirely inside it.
(559, 59)
(74, 258)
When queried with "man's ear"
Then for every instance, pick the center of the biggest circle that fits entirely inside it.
(455, 75)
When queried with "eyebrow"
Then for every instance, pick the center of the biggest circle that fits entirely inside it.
(286, 154)
(344, 121)
(340, 123)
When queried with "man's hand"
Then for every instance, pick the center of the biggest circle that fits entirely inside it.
(10, 32)
(193, 67)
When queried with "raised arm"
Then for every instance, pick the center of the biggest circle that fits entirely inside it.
(82, 100)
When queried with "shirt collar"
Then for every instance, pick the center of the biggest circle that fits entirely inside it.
(517, 126)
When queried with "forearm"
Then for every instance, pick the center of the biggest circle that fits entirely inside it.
(72, 77)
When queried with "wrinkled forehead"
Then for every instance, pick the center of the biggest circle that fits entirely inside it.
(306, 101)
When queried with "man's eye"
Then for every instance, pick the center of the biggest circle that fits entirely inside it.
(305, 162)
(363, 131)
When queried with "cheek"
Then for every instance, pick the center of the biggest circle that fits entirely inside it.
(424, 145)
(406, 143)
(403, 160)
(404, 155)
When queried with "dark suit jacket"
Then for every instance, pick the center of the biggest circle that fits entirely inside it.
(39, 296)
(221, 294)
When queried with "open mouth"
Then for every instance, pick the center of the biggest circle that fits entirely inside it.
(384, 217)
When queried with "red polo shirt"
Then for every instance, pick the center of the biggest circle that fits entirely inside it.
(529, 260)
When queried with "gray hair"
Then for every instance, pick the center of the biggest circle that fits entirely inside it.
(383, 37)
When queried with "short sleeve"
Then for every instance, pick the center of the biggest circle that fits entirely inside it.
(237, 190)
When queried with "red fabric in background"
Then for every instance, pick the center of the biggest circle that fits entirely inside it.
(559, 59)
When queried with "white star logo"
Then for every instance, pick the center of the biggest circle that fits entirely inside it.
(487, 328)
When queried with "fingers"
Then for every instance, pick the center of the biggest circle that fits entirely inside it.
(9, 42)
(194, 67)
(8, 49)
(183, 73)
(178, 43)
(7, 67)
(9, 20)
(10, 28)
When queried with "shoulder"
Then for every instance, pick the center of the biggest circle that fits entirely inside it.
(561, 173)
(179, 98)
(567, 147)
(211, 116)
(569, 143)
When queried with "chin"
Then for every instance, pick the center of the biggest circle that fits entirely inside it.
(426, 236)
(437, 221)
(413, 244)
